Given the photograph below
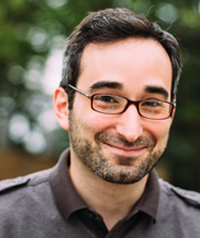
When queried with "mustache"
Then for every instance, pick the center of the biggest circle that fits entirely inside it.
(142, 141)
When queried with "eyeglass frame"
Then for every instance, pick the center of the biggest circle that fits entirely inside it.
(129, 102)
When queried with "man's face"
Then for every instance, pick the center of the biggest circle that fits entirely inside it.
(121, 148)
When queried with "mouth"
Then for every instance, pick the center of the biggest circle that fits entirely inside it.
(130, 151)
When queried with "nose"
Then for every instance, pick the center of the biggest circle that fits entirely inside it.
(129, 124)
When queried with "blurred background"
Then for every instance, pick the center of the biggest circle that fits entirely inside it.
(32, 39)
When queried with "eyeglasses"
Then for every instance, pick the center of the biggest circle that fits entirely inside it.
(111, 104)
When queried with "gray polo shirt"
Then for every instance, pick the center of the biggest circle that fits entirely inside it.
(45, 204)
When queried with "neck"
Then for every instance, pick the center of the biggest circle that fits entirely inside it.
(112, 201)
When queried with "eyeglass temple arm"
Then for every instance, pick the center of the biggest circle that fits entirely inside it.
(76, 89)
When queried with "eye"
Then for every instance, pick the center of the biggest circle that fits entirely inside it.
(151, 103)
(106, 98)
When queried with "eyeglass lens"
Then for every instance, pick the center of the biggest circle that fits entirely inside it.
(153, 109)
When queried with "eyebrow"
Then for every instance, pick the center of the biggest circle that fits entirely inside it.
(157, 90)
(105, 84)
(116, 85)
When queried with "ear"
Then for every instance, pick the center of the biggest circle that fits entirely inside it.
(60, 105)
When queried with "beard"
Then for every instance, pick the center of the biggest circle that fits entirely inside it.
(124, 169)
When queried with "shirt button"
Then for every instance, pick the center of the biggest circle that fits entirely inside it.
(91, 214)
(181, 191)
(18, 180)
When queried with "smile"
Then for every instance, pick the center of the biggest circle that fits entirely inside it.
(126, 150)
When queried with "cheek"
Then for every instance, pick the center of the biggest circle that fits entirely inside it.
(91, 122)
(96, 122)
(160, 131)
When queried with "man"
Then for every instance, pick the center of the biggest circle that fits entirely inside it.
(117, 100)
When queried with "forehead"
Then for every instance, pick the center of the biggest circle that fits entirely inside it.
(135, 63)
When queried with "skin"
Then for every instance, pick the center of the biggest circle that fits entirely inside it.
(112, 154)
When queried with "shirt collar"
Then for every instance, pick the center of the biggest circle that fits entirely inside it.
(66, 197)
(68, 200)
(148, 203)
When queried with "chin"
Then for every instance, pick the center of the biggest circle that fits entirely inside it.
(125, 175)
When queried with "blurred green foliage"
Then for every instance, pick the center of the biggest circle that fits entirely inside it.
(30, 30)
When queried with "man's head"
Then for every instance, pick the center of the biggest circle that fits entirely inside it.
(112, 25)
(130, 59)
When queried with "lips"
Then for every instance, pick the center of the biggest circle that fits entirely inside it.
(130, 152)
(126, 148)
(119, 145)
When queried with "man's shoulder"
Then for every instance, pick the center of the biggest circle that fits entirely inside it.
(175, 194)
(27, 205)
(22, 184)
(178, 209)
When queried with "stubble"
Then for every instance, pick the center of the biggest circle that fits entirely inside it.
(126, 169)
